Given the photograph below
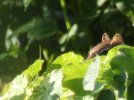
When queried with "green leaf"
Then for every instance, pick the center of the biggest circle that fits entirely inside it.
(105, 71)
(27, 3)
(38, 29)
(100, 2)
(106, 95)
(91, 75)
(50, 87)
(75, 85)
(73, 68)
(34, 69)
(56, 78)
(131, 91)
(18, 87)
(120, 85)
(69, 35)
(119, 62)
(11, 42)
(72, 65)
(68, 58)
(88, 97)
(64, 60)
(121, 58)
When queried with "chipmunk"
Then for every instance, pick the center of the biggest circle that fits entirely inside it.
(105, 44)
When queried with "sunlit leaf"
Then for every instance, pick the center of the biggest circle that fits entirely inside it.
(56, 78)
(11, 43)
(66, 37)
(100, 2)
(50, 88)
(65, 59)
(73, 68)
(91, 75)
(121, 58)
(17, 88)
(34, 69)
(27, 3)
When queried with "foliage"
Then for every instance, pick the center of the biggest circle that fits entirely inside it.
(69, 76)
(58, 26)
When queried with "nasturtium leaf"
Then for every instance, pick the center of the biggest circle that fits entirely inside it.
(64, 60)
(105, 71)
(88, 97)
(42, 92)
(92, 74)
(34, 69)
(73, 67)
(56, 77)
(106, 94)
(119, 62)
(75, 70)
(50, 88)
(120, 84)
(68, 58)
(75, 85)
(66, 93)
(130, 90)
(82, 78)
(18, 86)
(121, 58)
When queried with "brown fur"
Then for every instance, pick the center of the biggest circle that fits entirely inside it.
(106, 44)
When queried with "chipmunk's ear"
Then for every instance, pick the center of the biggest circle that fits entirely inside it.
(117, 40)
(105, 37)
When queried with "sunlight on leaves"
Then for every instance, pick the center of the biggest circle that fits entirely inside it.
(66, 37)
(27, 3)
(20, 83)
(100, 2)
(56, 78)
(34, 68)
(17, 88)
(91, 75)
(50, 88)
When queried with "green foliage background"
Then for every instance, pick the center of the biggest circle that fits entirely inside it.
(57, 26)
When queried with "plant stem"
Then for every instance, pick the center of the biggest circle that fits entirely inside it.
(126, 86)
(39, 51)
(67, 22)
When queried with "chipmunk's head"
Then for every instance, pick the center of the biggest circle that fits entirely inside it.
(106, 44)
